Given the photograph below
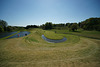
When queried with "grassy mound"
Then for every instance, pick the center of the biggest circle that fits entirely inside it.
(36, 34)
(52, 35)
(32, 50)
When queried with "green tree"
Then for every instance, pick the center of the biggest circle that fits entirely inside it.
(3, 24)
(42, 26)
(9, 28)
(74, 27)
(1, 29)
(91, 24)
(48, 25)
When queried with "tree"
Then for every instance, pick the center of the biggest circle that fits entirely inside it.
(79, 24)
(3, 24)
(31, 26)
(9, 28)
(1, 29)
(74, 26)
(67, 24)
(91, 24)
(42, 26)
(48, 25)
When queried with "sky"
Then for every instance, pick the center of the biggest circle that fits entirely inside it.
(38, 12)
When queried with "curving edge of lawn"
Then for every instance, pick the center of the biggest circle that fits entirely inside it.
(9, 36)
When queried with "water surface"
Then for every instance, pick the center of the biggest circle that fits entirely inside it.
(5, 34)
(20, 34)
(53, 41)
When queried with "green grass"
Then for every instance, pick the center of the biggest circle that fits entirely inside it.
(52, 35)
(31, 39)
(33, 51)
(91, 34)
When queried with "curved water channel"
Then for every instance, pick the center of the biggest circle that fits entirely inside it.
(54, 41)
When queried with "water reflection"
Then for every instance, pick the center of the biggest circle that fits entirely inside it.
(5, 34)
(20, 34)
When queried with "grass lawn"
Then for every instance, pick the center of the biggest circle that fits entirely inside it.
(33, 51)
(91, 34)
(52, 35)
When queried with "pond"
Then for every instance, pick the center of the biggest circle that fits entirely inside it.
(53, 41)
(20, 34)
(5, 34)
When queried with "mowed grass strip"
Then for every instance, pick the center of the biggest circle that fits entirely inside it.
(52, 35)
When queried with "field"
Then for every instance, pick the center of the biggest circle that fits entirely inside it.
(80, 32)
(33, 51)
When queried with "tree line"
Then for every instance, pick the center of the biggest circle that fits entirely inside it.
(49, 25)
(4, 27)
(88, 24)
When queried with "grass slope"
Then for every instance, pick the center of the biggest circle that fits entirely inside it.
(52, 35)
(33, 51)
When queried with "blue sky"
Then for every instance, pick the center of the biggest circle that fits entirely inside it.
(30, 12)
